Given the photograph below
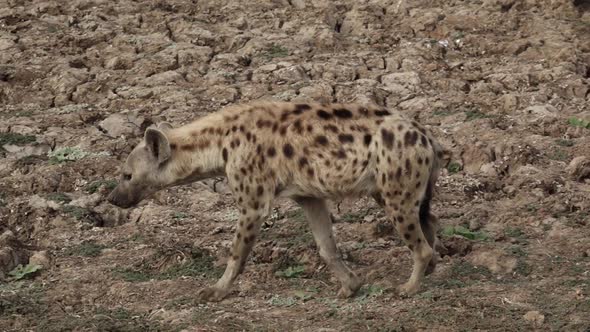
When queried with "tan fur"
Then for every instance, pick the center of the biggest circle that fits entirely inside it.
(307, 152)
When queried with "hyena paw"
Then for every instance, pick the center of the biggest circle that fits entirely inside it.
(408, 289)
(212, 294)
(350, 288)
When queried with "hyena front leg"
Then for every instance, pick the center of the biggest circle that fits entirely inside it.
(251, 217)
(318, 216)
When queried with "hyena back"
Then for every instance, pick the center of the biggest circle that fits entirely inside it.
(309, 153)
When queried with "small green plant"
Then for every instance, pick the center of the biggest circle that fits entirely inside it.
(442, 113)
(370, 291)
(179, 215)
(514, 232)
(96, 185)
(564, 142)
(579, 123)
(77, 212)
(464, 232)
(276, 51)
(21, 272)
(16, 139)
(279, 301)
(291, 272)
(558, 154)
(66, 154)
(473, 115)
(59, 197)
(453, 167)
(86, 249)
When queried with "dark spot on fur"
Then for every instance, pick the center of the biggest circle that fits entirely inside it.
(259, 190)
(400, 219)
(343, 113)
(410, 138)
(331, 128)
(388, 138)
(324, 115)
(340, 154)
(382, 112)
(283, 130)
(423, 140)
(345, 138)
(321, 140)
(224, 154)
(367, 139)
(310, 172)
(309, 128)
(173, 146)
(300, 108)
(271, 152)
(250, 226)
(411, 227)
(407, 236)
(427, 161)
(398, 173)
(285, 116)
(408, 166)
(420, 160)
(288, 150)
(302, 162)
(297, 126)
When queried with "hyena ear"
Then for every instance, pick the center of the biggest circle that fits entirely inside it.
(165, 126)
(158, 145)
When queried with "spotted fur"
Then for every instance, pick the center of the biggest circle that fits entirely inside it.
(307, 152)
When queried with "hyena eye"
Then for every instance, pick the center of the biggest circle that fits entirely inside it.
(127, 177)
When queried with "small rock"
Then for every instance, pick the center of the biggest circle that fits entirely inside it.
(87, 201)
(488, 169)
(534, 317)
(40, 258)
(401, 83)
(120, 124)
(579, 168)
(495, 260)
(37, 202)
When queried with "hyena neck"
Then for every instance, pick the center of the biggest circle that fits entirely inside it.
(197, 152)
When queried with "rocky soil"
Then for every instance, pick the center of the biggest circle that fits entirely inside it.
(503, 83)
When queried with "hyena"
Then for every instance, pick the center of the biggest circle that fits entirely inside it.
(308, 152)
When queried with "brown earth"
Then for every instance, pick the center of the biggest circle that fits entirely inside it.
(503, 83)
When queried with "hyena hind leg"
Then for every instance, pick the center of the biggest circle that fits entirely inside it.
(318, 216)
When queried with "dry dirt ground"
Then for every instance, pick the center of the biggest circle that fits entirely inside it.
(503, 83)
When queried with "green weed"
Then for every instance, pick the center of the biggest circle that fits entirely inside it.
(579, 123)
(291, 272)
(464, 232)
(66, 154)
(16, 139)
(558, 154)
(59, 197)
(22, 272)
(474, 115)
(276, 51)
(279, 301)
(454, 167)
(86, 249)
(564, 142)
(96, 185)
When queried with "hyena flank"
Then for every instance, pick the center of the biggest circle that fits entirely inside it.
(308, 152)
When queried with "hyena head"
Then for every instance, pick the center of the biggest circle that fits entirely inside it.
(143, 172)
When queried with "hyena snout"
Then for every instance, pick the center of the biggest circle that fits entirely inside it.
(123, 198)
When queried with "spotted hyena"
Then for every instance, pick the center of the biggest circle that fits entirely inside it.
(308, 152)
